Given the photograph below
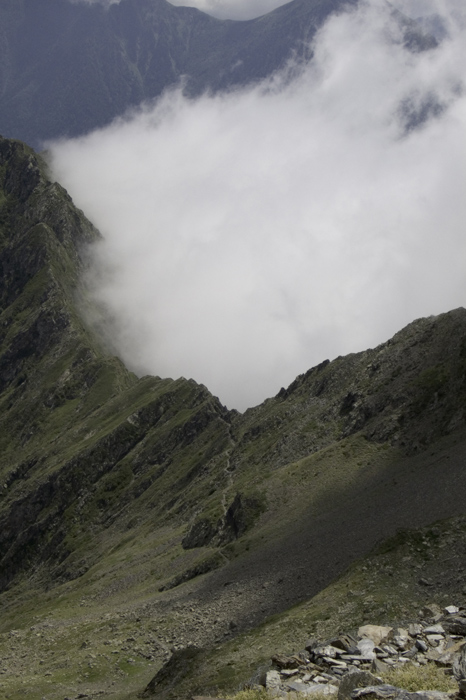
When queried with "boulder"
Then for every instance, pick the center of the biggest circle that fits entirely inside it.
(345, 642)
(311, 644)
(434, 629)
(328, 651)
(383, 691)
(366, 648)
(283, 661)
(455, 624)
(356, 679)
(312, 688)
(272, 680)
(376, 633)
(459, 665)
(259, 677)
(449, 656)
(379, 666)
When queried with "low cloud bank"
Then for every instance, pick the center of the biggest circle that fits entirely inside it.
(251, 235)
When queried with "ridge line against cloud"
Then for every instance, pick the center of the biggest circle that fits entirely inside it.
(250, 235)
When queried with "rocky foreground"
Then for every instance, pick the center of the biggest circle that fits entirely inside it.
(342, 665)
(349, 665)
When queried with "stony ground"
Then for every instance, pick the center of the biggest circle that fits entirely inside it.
(76, 644)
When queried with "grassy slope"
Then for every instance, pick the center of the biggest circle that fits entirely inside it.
(96, 632)
(81, 436)
(382, 588)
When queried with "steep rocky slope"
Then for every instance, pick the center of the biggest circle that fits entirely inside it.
(70, 413)
(138, 515)
(67, 68)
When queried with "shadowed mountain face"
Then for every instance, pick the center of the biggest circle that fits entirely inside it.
(147, 494)
(68, 68)
(55, 381)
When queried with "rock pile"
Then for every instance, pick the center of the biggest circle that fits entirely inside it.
(340, 665)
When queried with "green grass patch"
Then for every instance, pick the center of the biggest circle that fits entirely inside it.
(413, 678)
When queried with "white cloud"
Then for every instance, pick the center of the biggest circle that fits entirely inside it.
(105, 3)
(251, 235)
(420, 8)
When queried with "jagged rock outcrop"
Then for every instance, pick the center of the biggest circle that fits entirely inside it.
(408, 391)
(238, 518)
(179, 664)
(71, 416)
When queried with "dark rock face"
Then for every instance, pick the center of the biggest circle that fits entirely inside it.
(238, 518)
(355, 679)
(408, 392)
(54, 379)
(200, 534)
(456, 625)
(178, 666)
(459, 664)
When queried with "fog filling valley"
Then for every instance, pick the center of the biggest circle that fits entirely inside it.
(248, 236)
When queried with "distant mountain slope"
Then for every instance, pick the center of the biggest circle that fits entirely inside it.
(67, 68)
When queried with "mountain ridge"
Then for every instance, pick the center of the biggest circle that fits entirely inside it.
(69, 68)
(124, 500)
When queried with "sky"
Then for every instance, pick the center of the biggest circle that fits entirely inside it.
(249, 236)
(249, 9)
(232, 9)
(222, 9)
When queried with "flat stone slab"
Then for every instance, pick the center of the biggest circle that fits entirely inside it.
(311, 688)
(434, 629)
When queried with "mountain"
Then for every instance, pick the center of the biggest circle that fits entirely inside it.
(67, 68)
(139, 515)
